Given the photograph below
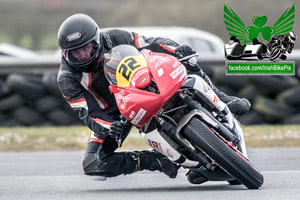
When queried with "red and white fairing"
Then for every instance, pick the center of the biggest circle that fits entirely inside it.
(139, 106)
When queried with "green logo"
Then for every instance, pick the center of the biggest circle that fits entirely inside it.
(237, 28)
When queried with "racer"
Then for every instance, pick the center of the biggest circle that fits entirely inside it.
(83, 85)
(284, 42)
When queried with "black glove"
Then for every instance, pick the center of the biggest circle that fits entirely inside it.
(183, 51)
(116, 129)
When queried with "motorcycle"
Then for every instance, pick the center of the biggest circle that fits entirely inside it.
(280, 45)
(179, 115)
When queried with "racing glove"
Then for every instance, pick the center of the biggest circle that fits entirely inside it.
(183, 51)
(119, 130)
(116, 129)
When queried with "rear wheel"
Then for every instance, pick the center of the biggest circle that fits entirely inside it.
(231, 161)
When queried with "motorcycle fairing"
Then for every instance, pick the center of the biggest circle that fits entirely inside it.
(157, 142)
(206, 91)
(138, 106)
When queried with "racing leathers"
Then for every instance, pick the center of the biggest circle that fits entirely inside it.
(89, 95)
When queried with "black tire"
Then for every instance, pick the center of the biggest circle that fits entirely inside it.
(26, 85)
(232, 162)
(297, 71)
(47, 104)
(290, 97)
(49, 80)
(218, 75)
(236, 82)
(2, 89)
(227, 90)
(273, 110)
(252, 118)
(59, 117)
(295, 119)
(273, 84)
(27, 116)
(249, 92)
(9, 123)
(2, 117)
(11, 102)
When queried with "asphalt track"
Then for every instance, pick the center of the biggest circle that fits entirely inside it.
(58, 175)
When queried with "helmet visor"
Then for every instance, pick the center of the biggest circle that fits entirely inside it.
(83, 55)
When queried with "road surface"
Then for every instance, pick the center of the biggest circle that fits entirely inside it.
(58, 175)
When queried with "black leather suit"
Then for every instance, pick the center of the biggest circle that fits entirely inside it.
(88, 94)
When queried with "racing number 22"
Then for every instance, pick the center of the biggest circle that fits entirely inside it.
(129, 64)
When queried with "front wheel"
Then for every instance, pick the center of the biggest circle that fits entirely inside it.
(275, 53)
(233, 162)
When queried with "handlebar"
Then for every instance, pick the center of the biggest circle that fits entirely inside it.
(188, 57)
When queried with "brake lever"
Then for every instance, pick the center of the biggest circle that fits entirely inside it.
(188, 57)
(123, 122)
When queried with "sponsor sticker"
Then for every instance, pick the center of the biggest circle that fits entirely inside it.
(156, 146)
(177, 71)
(73, 36)
(122, 98)
(139, 116)
(138, 74)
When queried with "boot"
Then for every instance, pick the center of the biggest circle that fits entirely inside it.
(237, 106)
(195, 177)
(151, 160)
(202, 175)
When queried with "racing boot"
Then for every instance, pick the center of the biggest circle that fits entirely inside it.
(151, 160)
(237, 106)
(201, 175)
(195, 177)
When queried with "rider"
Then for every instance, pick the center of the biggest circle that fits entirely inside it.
(83, 84)
(283, 42)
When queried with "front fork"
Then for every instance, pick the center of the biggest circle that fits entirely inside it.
(231, 130)
(236, 137)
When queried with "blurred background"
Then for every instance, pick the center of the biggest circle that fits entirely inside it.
(33, 24)
(29, 56)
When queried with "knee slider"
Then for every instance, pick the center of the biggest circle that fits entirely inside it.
(90, 163)
(94, 166)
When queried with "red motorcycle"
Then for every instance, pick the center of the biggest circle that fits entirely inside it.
(179, 115)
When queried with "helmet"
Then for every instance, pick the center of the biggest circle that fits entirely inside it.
(292, 37)
(76, 33)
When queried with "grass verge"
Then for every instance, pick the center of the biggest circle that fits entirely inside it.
(76, 137)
